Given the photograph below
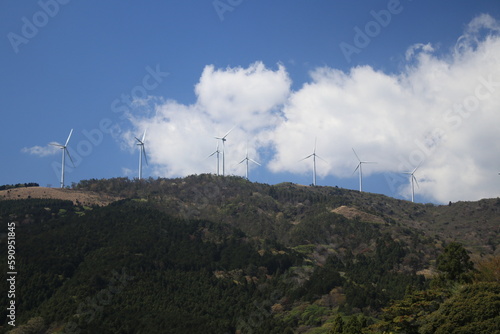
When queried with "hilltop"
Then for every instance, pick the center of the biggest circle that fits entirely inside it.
(474, 224)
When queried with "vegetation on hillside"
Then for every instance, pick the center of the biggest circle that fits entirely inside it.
(208, 254)
(18, 185)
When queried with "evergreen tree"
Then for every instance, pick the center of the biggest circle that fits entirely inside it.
(352, 326)
(338, 325)
(455, 263)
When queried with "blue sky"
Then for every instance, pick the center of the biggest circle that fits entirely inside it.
(390, 79)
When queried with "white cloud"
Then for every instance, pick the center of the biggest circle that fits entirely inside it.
(479, 30)
(41, 151)
(410, 52)
(180, 137)
(443, 110)
(129, 172)
(440, 110)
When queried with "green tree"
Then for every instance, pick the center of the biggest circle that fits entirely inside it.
(474, 308)
(352, 326)
(406, 315)
(455, 263)
(489, 270)
(338, 325)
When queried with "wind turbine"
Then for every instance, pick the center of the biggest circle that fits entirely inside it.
(65, 151)
(223, 139)
(412, 179)
(218, 153)
(313, 155)
(247, 159)
(142, 150)
(360, 168)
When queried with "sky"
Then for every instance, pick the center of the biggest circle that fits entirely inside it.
(405, 84)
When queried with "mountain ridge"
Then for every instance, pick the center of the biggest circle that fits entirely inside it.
(476, 224)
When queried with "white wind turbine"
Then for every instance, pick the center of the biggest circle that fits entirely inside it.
(313, 155)
(413, 181)
(65, 151)
(247, 159)
(360, 168)
(218, 153)
(223, 139)
(142, 151)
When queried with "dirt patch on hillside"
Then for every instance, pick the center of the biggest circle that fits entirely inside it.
(351, 213)
(76, 196)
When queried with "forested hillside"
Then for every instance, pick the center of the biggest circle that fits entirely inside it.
(209, 254)
(260, 208)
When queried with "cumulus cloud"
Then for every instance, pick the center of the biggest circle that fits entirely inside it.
(439, 112)
(41, 151)
(180, 137)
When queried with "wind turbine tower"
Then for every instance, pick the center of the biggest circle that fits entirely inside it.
(314, 156)
(218, 153)
(142, 151)
(247, 159)
(65, 151)
(223, 139)
(360, 168)
(413, 181)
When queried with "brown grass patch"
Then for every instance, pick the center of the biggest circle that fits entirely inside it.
(352, 213)
(76, 196)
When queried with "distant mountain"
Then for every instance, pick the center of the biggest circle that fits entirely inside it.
(210, 254)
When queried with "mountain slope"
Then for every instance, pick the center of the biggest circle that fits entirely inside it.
(265, 209)
(226, 254)
(94, 271)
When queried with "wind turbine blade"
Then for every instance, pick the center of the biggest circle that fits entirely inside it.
(143, 136)
(67, 140)
(317, 156)
(310, 155)
(242, 161)
(255, 162)
(415, 179)
(216, 150)
(357, 167)
(223, 137)
(144, 152)
(58, 145)
(140, 142)
(417, 166)
(66, 151)
(356, 155)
